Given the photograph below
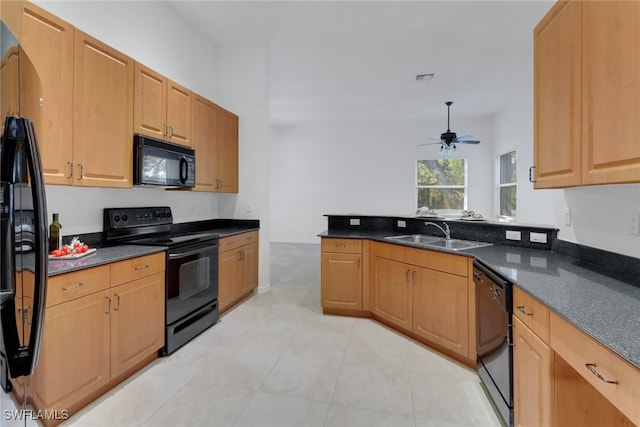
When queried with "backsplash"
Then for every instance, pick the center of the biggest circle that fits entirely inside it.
(483, 231)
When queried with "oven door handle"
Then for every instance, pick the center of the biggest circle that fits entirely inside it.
(178, 255)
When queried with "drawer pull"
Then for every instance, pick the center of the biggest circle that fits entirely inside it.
(340, 245)
(76, 286)
(522, 310)
(141, 267)
(592, 368)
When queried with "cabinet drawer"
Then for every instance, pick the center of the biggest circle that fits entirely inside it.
(532, 313)
(597, 365)
(135, 268)
(448, 263)
(238, 240)
(345, 246)
(69, 286)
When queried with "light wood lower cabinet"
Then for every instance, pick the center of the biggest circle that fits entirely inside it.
(425, 294)
(441, 309)
(532, 378)
(74, 357)
(139, 303)
(237, 268)
(97, 331)
(563, 377)
(341, 274)
(391, 291)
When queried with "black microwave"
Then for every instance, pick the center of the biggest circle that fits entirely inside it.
(161, 163)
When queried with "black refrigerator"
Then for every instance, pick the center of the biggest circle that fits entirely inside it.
(23, 231)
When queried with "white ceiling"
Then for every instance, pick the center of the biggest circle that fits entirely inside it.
(357, 60)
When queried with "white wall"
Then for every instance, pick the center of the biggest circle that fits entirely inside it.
(366, 168)
(243, 69)
(600, 215)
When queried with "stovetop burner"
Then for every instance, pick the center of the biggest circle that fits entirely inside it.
(147, 226)
(177, 240)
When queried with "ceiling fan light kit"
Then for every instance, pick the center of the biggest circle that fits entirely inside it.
(448, 139)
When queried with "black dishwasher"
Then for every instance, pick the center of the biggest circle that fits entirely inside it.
(493, 338)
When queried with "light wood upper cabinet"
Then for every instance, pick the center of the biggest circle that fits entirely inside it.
(557, 97)
(150, 102)
(48, 102)
(215, 136)
(226, 157)
(204, 143)
(611, 89)
(103, 114)
(586, 114)
(162, 108)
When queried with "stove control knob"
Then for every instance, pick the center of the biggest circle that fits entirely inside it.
(125, 218)
(116, 218)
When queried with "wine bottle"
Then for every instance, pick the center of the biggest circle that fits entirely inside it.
(55, 235)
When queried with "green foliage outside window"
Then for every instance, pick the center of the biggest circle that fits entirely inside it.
(441, 185)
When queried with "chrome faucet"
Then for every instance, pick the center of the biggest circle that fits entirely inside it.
(446, 230)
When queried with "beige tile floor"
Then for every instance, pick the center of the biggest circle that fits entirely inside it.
(275, 360)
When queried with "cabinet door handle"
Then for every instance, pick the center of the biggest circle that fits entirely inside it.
(76, 286)
(523, 311)
(170, 132)
(358, 263)
(164, 130)
(109, 308)
(118, 303)
(141, 267)
(592, 367)
(406, 276)
(70, 167)
(81, 170)
(413, 277)
(532, 174)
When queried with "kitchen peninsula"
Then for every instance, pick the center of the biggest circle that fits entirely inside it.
(579, 303)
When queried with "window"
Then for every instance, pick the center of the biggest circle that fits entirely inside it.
(442, 185)
(507, 194)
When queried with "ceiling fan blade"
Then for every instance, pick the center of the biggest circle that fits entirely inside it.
(467, 139)
(430, 143)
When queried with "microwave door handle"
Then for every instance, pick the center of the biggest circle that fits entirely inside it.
(184, 173)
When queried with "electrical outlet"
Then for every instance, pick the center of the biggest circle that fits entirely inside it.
(249, 207)
(354, 221)
(514, 235)
(635, 225)
(538, 237)
(567, 217)
(402, 224)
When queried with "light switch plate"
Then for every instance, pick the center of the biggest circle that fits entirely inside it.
(513, 235)
(354, 221)
(537, 237)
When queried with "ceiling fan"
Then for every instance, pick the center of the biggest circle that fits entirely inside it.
(448, 139)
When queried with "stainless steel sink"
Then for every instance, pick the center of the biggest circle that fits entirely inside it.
(416, 238)
(439, 242)
(457, 245)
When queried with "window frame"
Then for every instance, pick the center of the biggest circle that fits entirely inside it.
(464, 187)
(500, 185)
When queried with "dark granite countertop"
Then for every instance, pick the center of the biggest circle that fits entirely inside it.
(109, 254)
(607, 309)
(101, 256)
